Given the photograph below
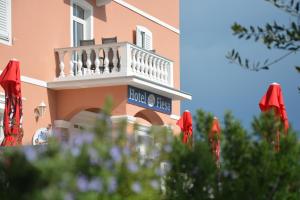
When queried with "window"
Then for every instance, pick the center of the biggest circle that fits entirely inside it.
(144, 142)
(143, 38)
(5, 22)
(81, 22)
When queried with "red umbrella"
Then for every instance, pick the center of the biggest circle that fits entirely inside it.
(273, 100)
(214, 138)
(186, 125)
(11, 83)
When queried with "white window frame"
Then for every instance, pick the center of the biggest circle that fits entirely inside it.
(139, 42)
(9, 42)
(88, 24)
(142, 131)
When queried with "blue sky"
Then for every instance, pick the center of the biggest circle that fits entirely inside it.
(217, 85)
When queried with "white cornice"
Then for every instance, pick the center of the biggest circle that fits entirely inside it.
(128, 118)
(62, 124)
(34, 81)
(148, 16)
(89, 82)
(176, 117)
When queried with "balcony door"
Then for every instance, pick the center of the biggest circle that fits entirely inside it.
(79, 25)
(82, 22)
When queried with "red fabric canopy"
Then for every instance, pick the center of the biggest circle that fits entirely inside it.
(11, 83)
(214, 138)
(186, 125)
(273, 99)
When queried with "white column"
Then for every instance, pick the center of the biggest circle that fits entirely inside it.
(133, 56)
(142, 62)
(138, 61)
(79, 63)
(88, 62)
(106, 60)
(165, 72)
(159, 70)
(150, 66)
(97, 61)
(71, 64)
(61, 56)
(115, 59)
(125, 59)
(154, 68)
(146, 65)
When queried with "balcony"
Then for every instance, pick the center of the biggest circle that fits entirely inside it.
(115, 64)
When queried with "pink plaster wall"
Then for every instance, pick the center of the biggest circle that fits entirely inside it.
(166, 10)
(37, 28)
(70, 102)
(40, 26)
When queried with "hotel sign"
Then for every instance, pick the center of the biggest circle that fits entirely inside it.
(149, 100)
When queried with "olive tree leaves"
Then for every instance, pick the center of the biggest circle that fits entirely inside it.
(272, 35)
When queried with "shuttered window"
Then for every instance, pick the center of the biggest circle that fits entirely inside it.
(144, 38)
(5, 20)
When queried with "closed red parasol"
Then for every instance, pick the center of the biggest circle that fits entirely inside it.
(273, 99)
(186, 125)
(214, 139)
(12, 123)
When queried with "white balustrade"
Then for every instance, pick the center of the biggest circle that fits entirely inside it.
(106, 60)
(115, 59)
(88, 62)
(79, 63)
(97, 61)
(133, 58)
(123, 59)
(61, 56)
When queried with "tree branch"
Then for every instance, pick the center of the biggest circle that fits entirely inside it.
(292, 8)
(234, 57)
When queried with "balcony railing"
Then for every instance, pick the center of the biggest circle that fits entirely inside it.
(113, 60)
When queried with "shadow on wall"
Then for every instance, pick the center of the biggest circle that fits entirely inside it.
(134, 36)
(99, 12)
(52, 104)
(57, 69)
(150, 116)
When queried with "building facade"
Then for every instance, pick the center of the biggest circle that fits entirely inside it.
(75, 53)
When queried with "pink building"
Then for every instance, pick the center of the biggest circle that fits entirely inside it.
(75, 53)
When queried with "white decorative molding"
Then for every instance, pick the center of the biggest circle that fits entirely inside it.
(128, 118)
(148, 16)
(89, 82)
(159, 89)
(176, 117)
(34, 81)
(61, 124)
(143, 129)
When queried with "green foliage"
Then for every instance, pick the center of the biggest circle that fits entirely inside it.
(250, 168)
(272, 35)
(104, 164)
(96, 164)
